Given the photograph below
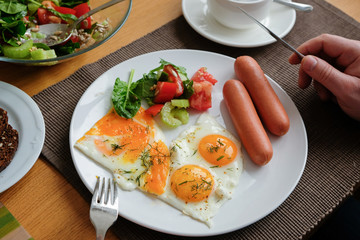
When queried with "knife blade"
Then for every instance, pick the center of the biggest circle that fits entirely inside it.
(284, 43)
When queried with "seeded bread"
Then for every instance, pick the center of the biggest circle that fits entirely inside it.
(3, 119)
(9, 141)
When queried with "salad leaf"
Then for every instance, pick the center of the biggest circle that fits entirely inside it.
(12, 27)
(125, 101)
(71, 3)
(12, 7)
(66, 17)
(144, 87)
(67, 48)
(188, 89)
(179, 69)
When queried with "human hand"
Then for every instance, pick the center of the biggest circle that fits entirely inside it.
(333, 64)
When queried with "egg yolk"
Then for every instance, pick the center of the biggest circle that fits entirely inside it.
(192, 183)
(217, 149)
(159, 161)
(125, 136)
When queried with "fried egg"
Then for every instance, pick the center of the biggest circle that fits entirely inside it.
(133, 149)
(206, 164)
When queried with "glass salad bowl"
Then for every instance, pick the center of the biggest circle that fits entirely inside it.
(101, 27)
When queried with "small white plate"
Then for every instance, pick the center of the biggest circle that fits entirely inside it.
(261, 189)
(281, 20)
(24, 116)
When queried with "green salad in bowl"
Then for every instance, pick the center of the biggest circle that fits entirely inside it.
(18, 16)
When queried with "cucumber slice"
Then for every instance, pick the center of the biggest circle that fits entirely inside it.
(40, 54)
(20, 52)
(41, 45)
(181, 114)
(167, 116)
(181, 103)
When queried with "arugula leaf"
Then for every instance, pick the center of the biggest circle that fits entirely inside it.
(125, 101)
(181, 70)
(188, 89)
(66, 17)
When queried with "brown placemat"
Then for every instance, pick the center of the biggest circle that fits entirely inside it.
(333, 164)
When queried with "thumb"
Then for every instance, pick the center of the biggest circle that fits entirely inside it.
(324, 73)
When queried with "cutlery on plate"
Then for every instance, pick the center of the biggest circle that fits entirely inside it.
(54, 34)
(273, 34)
(297, 6)
(104, 206)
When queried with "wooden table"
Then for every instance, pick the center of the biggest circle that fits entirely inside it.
(43, 201)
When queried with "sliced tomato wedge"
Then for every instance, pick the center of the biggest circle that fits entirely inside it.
(154, 109)
(203, 75)
(81, 9)
(65, 10)
(74, 38)
(175, 78)
(201, 99)
(49, 4)
(46, 16)
(165, 91)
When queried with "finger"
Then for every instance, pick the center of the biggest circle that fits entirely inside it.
(294, 59)
(324, 93)
(324, 73)
(342, 49)
(304, 79)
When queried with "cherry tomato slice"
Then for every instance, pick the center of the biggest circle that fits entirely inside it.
(203, 75)
(165, 91)
(201, 99)
(175, 78)
(154, 109)
(65, 10)
(81, 9)
(46, 17)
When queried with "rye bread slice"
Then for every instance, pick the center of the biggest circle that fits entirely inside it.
(9, 141)
(3, 120)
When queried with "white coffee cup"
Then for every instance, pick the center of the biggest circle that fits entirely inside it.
(227, 13)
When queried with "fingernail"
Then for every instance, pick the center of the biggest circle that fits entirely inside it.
(309, 63)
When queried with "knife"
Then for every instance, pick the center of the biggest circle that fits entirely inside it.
(284, 43)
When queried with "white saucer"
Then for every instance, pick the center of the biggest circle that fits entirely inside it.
(281, 20)
(25, 116)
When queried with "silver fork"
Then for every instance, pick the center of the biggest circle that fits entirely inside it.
(104, 206)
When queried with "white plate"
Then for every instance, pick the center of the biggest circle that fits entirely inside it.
(25, 116)
(281, 20)
(261, 189)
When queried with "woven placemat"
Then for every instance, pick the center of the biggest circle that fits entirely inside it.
(333, 164)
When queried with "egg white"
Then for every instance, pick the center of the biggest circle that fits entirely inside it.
(125, 173)
(184, 151)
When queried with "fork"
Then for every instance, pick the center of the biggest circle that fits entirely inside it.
(104, 206)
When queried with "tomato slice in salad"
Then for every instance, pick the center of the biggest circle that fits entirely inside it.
(203, 75)
(81, 9)
(175, 78)
(154, 109)
(165, 91)
(201, 98)
(46, 17)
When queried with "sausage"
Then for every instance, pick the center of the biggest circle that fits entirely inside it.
(247, 122)
(267, 103)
